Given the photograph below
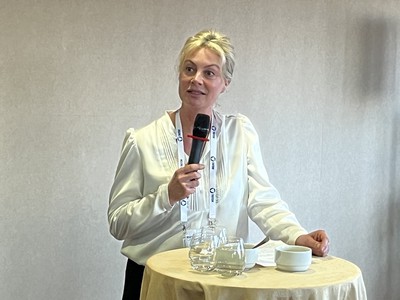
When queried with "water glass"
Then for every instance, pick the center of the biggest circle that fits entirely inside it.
(202, 250)
(219, 231)
(230, 257)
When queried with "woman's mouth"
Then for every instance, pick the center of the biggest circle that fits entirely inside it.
(195, 92)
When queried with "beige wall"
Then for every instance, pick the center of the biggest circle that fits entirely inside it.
(319, 79)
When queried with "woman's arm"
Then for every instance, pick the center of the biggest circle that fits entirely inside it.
(265, 206)
(131, 212)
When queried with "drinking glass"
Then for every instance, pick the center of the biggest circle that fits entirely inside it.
(230, 257)
(202, 250)
(219, 231)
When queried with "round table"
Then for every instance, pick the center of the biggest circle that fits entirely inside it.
(168, 275)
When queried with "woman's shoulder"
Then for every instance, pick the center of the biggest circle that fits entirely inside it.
(237, 119)
(162, 122)
(149, 130)
(239, 123)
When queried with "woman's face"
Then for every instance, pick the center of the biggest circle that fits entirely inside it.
(201, 80)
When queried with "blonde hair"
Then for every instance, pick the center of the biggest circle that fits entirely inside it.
(216, 42)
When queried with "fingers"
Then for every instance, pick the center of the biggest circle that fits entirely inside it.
(192, 168)
(321, 242)
(319, 249)
(184, 182)
(190, 175)
(318, 241)
(324, 246)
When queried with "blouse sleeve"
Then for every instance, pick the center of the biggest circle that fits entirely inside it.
(265, 206)
(130, 213)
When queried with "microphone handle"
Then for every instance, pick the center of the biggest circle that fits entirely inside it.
(195, 152)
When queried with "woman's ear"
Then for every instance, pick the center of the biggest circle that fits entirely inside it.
(227, 82)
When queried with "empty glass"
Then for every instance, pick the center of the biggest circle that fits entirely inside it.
(202, 250)
(230, 257)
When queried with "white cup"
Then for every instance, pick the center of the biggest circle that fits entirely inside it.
(293, 258)
(251, 256)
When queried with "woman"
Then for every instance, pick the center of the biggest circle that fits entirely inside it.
(153, 177)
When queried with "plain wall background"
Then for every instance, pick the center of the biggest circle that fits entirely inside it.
(319, 79)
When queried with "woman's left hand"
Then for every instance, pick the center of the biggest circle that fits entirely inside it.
(317, 240)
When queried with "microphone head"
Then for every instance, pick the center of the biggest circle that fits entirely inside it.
(201, 125)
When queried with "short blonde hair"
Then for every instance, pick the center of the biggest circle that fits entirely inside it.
(216, 42)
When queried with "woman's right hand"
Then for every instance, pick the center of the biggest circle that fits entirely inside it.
(184, 182)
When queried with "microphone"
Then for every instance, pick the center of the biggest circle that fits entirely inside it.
(200, 131)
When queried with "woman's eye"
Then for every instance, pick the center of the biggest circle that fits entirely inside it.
(209, 73)
(189, 70)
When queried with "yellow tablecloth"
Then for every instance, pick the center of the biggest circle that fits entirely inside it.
(169, 276)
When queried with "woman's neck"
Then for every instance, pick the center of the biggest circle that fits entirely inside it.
(188, 117)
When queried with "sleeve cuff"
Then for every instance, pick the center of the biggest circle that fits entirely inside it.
(164, 197)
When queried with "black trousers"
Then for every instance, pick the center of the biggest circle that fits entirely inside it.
(133, 281)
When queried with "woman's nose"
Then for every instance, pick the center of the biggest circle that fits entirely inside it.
(197, 78)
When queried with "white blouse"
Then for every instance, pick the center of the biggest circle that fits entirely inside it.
(139, 211)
